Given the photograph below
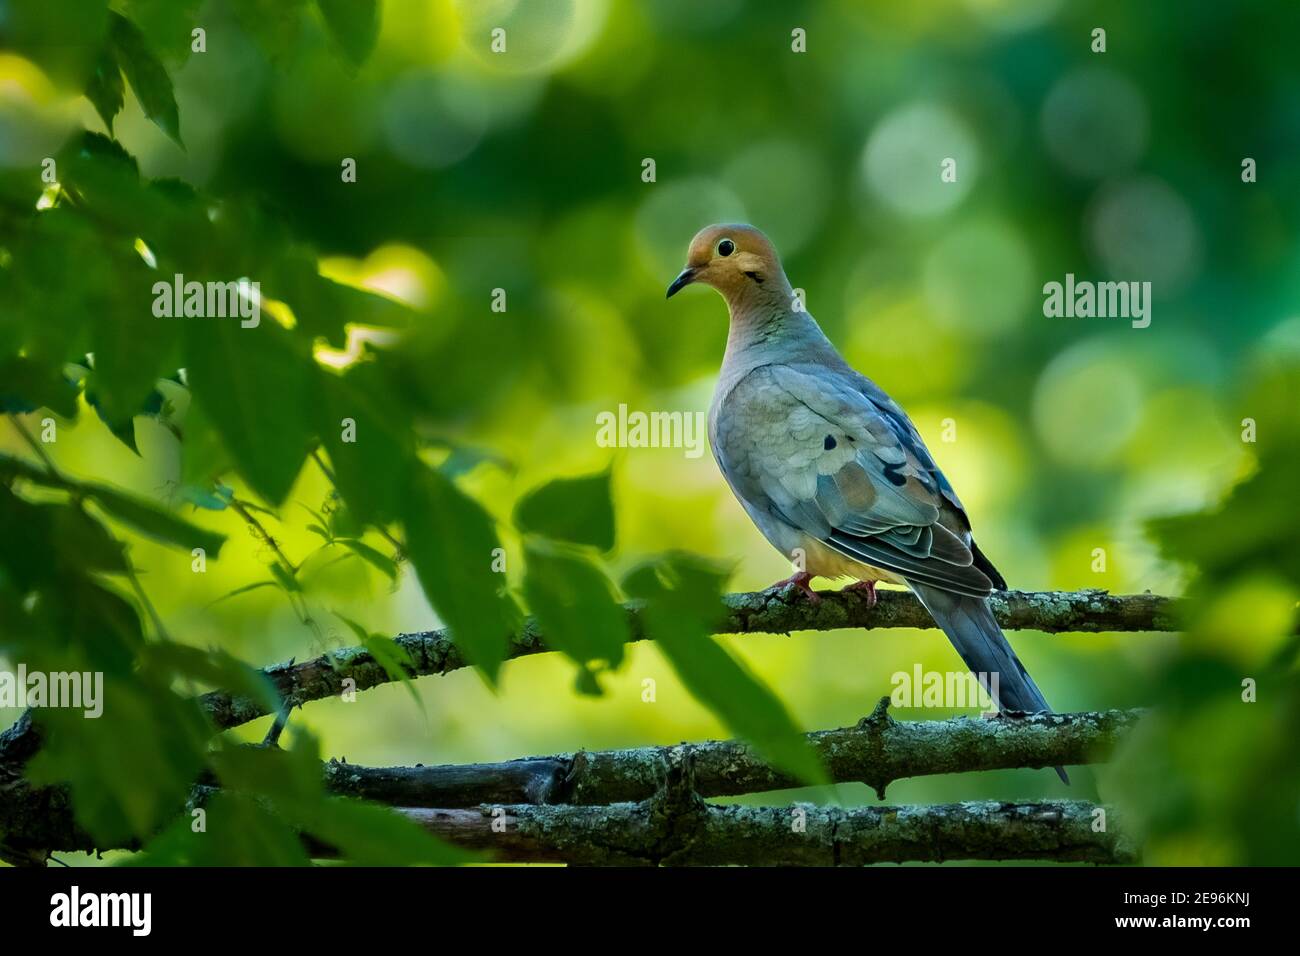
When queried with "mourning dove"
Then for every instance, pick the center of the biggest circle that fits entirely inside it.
(830, 468)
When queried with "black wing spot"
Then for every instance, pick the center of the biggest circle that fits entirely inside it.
(891, 472)
(829, 443)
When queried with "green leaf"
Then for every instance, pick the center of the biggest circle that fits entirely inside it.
(85, 542)
(132, 346)
(146, 74)
(12, 467)
(238, 831)
(1248, 532)
(579, 510)
(57, 539)
(326, 308)
(125, 433)
(144, 516)
(59, 617)
(154, 522)
(465, 458)
(30, 556)
(124, 429)
(366, 834)
(131, 768)
(203, 457)
(102, 176)
(392, 657)
(165, 23)
(354, 24)
(26, 385)
(453, 547)
(256, 386)
(291, 780)
(105, 89)
(575, 605)
(213, 667)
(370, 468)
(683, 601)
(62, 36)
(255, 586)
(291, 777)
(377, 559)
(203, 498)
(343, 522)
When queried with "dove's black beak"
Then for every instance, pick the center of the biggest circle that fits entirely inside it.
(681, 282)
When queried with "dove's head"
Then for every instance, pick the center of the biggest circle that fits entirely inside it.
(735, 259)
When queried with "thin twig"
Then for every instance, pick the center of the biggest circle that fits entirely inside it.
(398, 546)
(242, 510)
(133, 576)
(272, 738)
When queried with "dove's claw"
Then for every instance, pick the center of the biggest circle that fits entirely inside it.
(799, 581)
(868, 586)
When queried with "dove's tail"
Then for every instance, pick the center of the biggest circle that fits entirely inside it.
(969, 624)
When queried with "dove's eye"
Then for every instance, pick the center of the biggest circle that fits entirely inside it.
(726, 247)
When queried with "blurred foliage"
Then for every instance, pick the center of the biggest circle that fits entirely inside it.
(1214, 776)
(133, 149)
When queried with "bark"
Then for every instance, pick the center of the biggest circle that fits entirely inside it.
(762, 612)
(877, 751)
(676, 827)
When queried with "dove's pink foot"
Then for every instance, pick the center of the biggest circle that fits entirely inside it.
(800, 581)
(868, 586)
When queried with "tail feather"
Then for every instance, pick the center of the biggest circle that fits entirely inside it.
(970, 625)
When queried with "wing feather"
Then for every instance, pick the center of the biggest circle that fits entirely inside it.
(817, 450)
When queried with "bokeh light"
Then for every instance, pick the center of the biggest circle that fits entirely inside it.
(1087, 403)
(1141, 229)
(901, 162)
(1095, 122)
(979, 278)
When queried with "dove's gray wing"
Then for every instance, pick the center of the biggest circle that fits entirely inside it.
(824, 451)
(813, 449)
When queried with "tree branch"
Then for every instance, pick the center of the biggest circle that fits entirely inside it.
(631, 834)
(877, 751)
(762, 612)
(675, 827)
